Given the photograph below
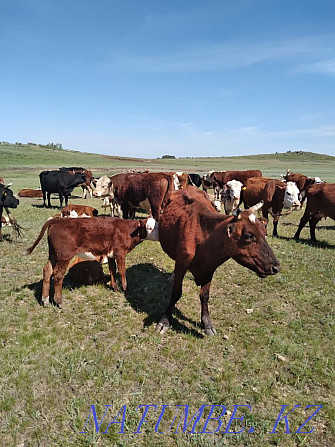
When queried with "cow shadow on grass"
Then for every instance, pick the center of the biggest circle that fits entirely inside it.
(320, 244)
(68, 283)
(149, 290)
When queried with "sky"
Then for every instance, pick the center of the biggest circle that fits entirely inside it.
(189, 78)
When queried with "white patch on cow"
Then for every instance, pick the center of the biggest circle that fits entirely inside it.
(252, 218)
(318, 180)
(152, 230)
(85, 215)
(291, 197)
(217, 205)
(103, 187)
(110, 254)
(231, 196)
(73, 214)
(88, 256)
(176, 183)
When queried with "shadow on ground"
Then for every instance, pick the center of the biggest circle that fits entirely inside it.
(149, 290)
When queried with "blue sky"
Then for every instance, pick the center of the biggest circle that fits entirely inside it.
(146, 78)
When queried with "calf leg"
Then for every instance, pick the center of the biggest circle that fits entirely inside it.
(121, 265)
(205, 318)
(165, 321)
(58, 274)
(112, 271)
(47, 272)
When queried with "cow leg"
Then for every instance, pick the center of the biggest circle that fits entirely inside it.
(49, 195)
(275, 225)
(165, 321)
(303, 221)
(121, 265)
(84, 188)
(44, 197)
(312, 225)
(1, 210)
(205, 318)
(112, 271)
(125, 210)
(58, 274)
(47, 272)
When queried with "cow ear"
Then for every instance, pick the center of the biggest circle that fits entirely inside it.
(230, 229)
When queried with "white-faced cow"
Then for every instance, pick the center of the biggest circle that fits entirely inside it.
(61, 182)
(302, 181)
(275, 194)
(199, 240)
(231, 195)
(89, 238)
(320, 203)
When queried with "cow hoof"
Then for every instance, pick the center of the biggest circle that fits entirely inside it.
(163, 325)
(59, 305)
(210, 330)
(45, 301)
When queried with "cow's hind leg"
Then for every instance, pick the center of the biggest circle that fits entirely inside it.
(165, 321)
(205, 318)
(47, 272)
(303, 221)
(58, 275)
(312, 225)
(112, 271)
(121, 265)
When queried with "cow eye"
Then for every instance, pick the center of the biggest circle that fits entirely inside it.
(249, 236)
(289, 194)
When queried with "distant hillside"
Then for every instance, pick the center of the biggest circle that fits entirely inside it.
(34, 158)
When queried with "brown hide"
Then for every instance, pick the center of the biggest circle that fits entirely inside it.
(131, 189)
(31, 193)
(200, 240)
(222, 177)
(271, 191)
(99, 236)
(320, 203)
(81, 210)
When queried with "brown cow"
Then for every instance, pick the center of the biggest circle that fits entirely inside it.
(275, 194)
(302, 181)
(30, 193)
(320, 203)
(78, 211)
(132, 189)
(199, 239)
(88, 238)
(222, 177)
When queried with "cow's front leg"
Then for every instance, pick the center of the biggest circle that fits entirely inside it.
(165, 321)
(205, 318)
(112, 271)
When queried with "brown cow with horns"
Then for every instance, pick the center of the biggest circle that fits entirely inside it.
(199, 239)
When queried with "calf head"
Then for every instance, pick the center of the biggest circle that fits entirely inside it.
(7, 198)
(291, 197)
(247, 244)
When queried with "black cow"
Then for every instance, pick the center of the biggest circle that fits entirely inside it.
(7, 200)
(195, 180)
(61, 182)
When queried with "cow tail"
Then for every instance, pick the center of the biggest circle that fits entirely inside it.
(47, 224)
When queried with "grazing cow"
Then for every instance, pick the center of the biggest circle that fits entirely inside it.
(61, 182)
(302, 181)
(88, 238)
(275, 194)
(195, 180)
(7, 200)
(231, 196)
(131, 190)
(200, 240)
(320, 203)
(78, 211)
(30, 193)
(88, 185)
(87, 273)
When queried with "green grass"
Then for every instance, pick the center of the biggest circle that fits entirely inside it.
(103, 348)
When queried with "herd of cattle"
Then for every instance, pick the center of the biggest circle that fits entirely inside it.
(189, 226)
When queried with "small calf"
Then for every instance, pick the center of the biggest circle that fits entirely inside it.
(88, 238)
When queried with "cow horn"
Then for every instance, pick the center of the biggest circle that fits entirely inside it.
(256, 207)
(237, 213)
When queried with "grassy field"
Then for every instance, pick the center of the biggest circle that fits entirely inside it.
(274, 344)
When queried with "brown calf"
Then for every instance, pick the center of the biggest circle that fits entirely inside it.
(31, 193)
(88, 238)
(320, 203)
(199, 239)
